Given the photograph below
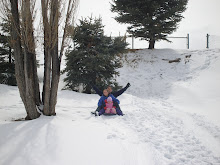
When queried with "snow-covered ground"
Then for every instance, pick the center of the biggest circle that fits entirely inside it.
(172, 117)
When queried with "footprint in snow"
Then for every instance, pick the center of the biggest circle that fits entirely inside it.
(111, 136)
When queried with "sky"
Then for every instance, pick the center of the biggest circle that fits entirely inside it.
(201, 17)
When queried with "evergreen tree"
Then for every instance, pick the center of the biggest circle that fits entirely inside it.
(7, 67)
(94, 58)
(149, 19)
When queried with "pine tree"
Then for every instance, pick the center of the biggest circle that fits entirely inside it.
(149, 19)
(94, 58)
(7, 67)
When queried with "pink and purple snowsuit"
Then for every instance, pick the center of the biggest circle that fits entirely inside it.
(109, 108)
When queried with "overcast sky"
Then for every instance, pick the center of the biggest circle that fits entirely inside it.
(201, 17)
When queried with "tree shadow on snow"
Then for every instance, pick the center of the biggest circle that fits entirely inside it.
(21, 138)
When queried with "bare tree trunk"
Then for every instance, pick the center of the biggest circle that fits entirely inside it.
(30, 63)
(51, 53)
(24, 66)
(46, 90)
(47, 68)
(28, 38)
(55, 59)
(47, 72)
(52, 58)
(55, 80)
(16, 43)
(47, 58)
(30, 86)
(38, 101)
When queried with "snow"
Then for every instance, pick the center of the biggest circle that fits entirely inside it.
(171, 117)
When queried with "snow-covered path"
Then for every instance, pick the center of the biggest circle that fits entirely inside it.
(172, 134)
(166, 118)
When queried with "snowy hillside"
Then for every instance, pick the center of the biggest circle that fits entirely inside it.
(172, 117)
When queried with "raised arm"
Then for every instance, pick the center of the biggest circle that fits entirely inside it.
(98, 91)
(118, 93)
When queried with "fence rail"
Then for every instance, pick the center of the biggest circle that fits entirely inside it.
(198, 41)
(212, 41)
(133, 40)
(187, 39)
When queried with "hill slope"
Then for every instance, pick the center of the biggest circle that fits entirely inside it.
(170, 109)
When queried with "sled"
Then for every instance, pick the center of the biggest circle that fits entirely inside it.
(109, 114)
(105, 114)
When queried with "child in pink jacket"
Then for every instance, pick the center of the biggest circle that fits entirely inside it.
(109, 108)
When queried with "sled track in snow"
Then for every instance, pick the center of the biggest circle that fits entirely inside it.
(166, 133)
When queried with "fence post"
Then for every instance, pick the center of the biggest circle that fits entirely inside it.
(207, 41)
(187, 38)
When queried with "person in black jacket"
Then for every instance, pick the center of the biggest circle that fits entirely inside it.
(118, 93)
(115, 94)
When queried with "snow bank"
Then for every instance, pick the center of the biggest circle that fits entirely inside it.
(191, 84)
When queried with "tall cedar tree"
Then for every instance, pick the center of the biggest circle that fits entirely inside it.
(94, 58)
(149, 19)
(7, 66)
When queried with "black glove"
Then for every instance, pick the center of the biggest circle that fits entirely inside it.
(128, 85)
